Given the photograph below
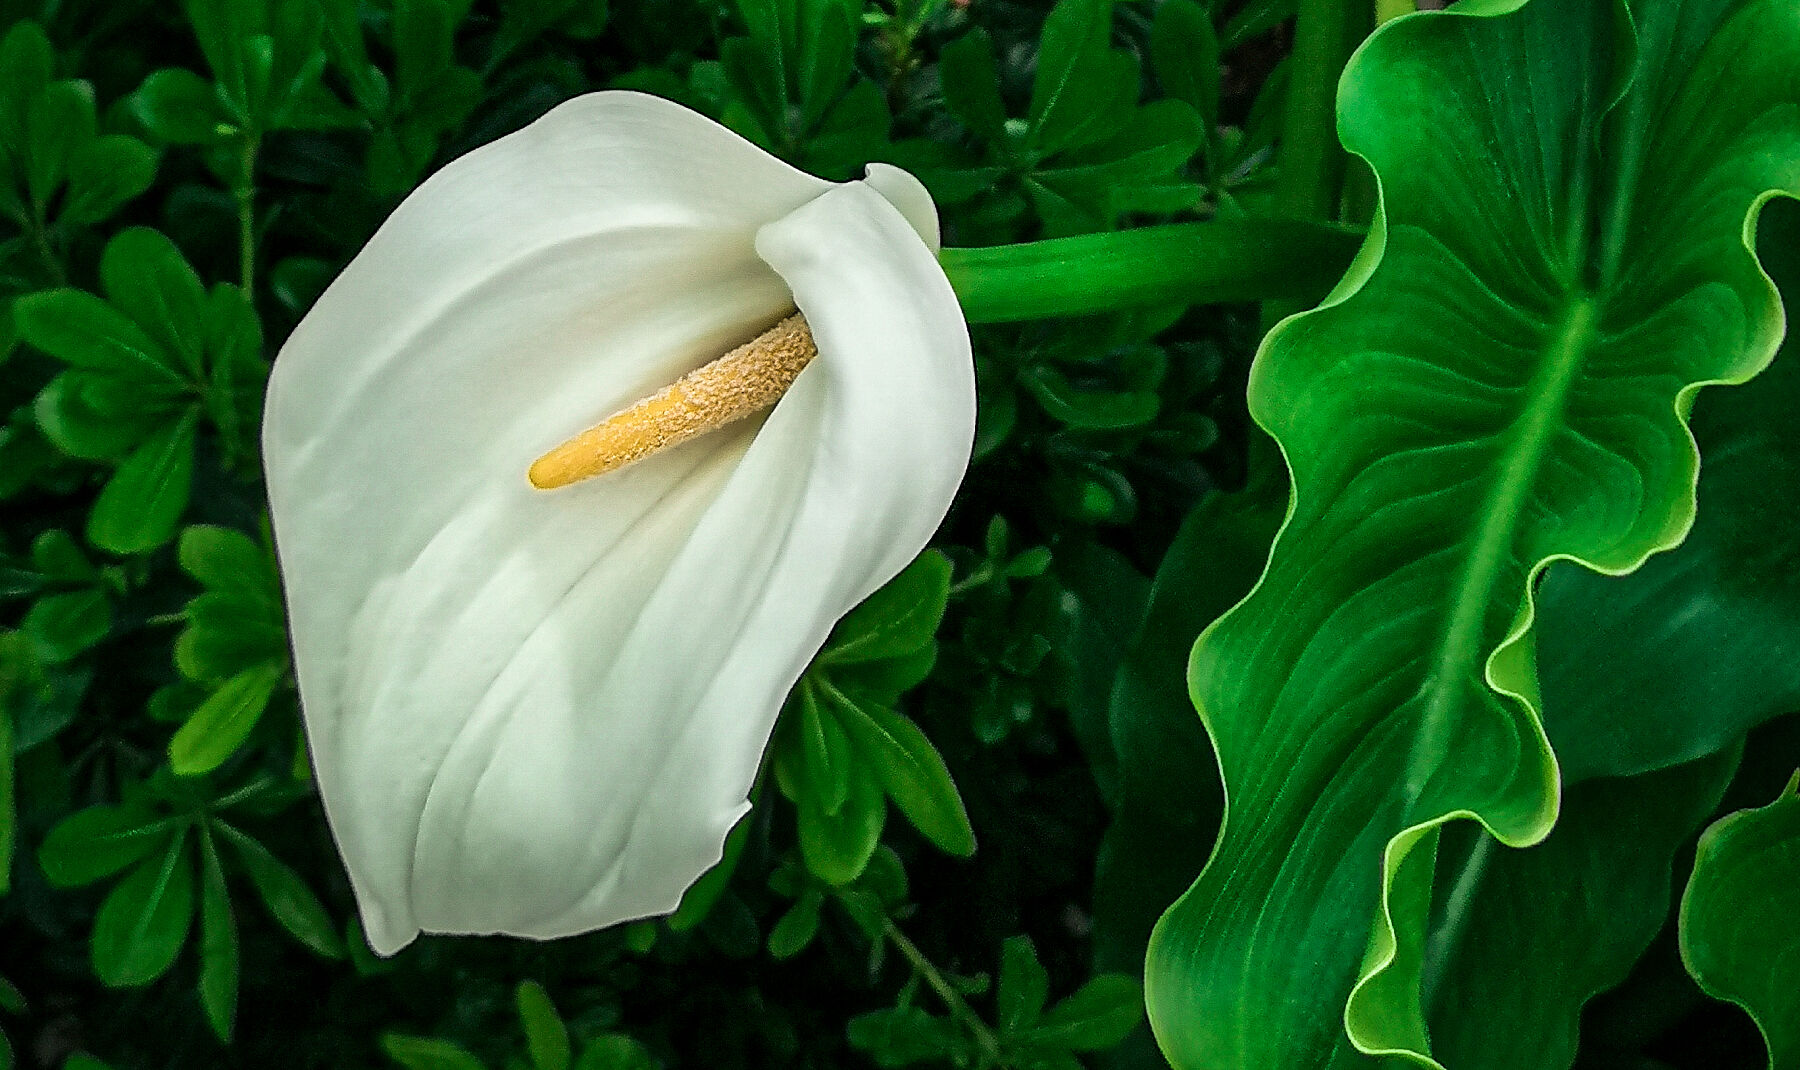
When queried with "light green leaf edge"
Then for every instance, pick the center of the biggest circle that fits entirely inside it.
(1399, 1032)
(1742, 896)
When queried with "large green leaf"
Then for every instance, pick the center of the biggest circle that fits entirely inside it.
(1744, 895)
(1530, 936)
(1561, 260)
(1670, 664)
(1700, 645)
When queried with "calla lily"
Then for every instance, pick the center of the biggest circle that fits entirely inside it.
(539, 712)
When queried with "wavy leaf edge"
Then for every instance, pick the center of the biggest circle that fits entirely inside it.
(1508, 669)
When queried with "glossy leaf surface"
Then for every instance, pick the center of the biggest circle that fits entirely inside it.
(1746, 886)
(1501, 380)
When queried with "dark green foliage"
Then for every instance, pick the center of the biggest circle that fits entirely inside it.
(178, 183)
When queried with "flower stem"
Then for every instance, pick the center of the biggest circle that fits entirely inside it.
(959, 1007)
(1311, 159)
(1178, 263)
(244, 193)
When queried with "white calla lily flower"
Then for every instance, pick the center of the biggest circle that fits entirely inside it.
(539, 712)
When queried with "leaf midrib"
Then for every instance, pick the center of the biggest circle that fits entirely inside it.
(1528, 442)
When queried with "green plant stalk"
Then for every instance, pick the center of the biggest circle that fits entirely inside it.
(244, 193)
(1179, 263)
(959, 1007)
(1311, 161)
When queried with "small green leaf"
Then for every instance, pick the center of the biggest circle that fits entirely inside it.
(225, 559)
(836, 847)
(615, 1051)
(901, 1036)
(222, 723)
(104, 174)
(1099, 1015)
(89, 333)
(1082, 87)
(288, 898)
(546, 1037)
(181, 108)
(218, 942)
(76, 411)
(1737, 927)
(141, 505)
(972, 84)
(796, 928)
(1184, 51)
(896, 620)
(825, 756)
(1088, 409)
(98, 842)
(27, 62)
(144, 921)
(58, 122)
(911, 770)
(1024, 985)
(146, 276)
(64, 625)
(427, 1053)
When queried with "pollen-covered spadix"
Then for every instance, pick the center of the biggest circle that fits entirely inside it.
(539, 712)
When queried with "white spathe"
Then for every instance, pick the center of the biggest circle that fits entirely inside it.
(539, 713)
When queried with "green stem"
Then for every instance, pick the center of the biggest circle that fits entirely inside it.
(40, 239)
(959, 1007)
(244, 192)
(1311, 160)
(1180, 263)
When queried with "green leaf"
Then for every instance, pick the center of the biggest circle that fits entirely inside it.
(1088, 409)
(288, 898)
(1169, 800)
(795, 929)
(147, 278)
(58, 122)
(546, 1037)
(89, 333)
(1099, 1015)
(104, 174)
(901, 1036)
(27, 62)
(181, 108)
(1530, 936)
(896, 620)
(144, 921)
(218, 942)
(1500, 380)
(227, 560)
(427, 1053)
(1024, 985)
(911, 771)
(1738, 919)
(972, 84)
(615, 1051)
(100, 841)
(1621, 697)
(141, 505)
(1184, 52)
(825, 757)
(219, 727)
(1081, 84)
(837, 847)
(64, 625)
(96, 417)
